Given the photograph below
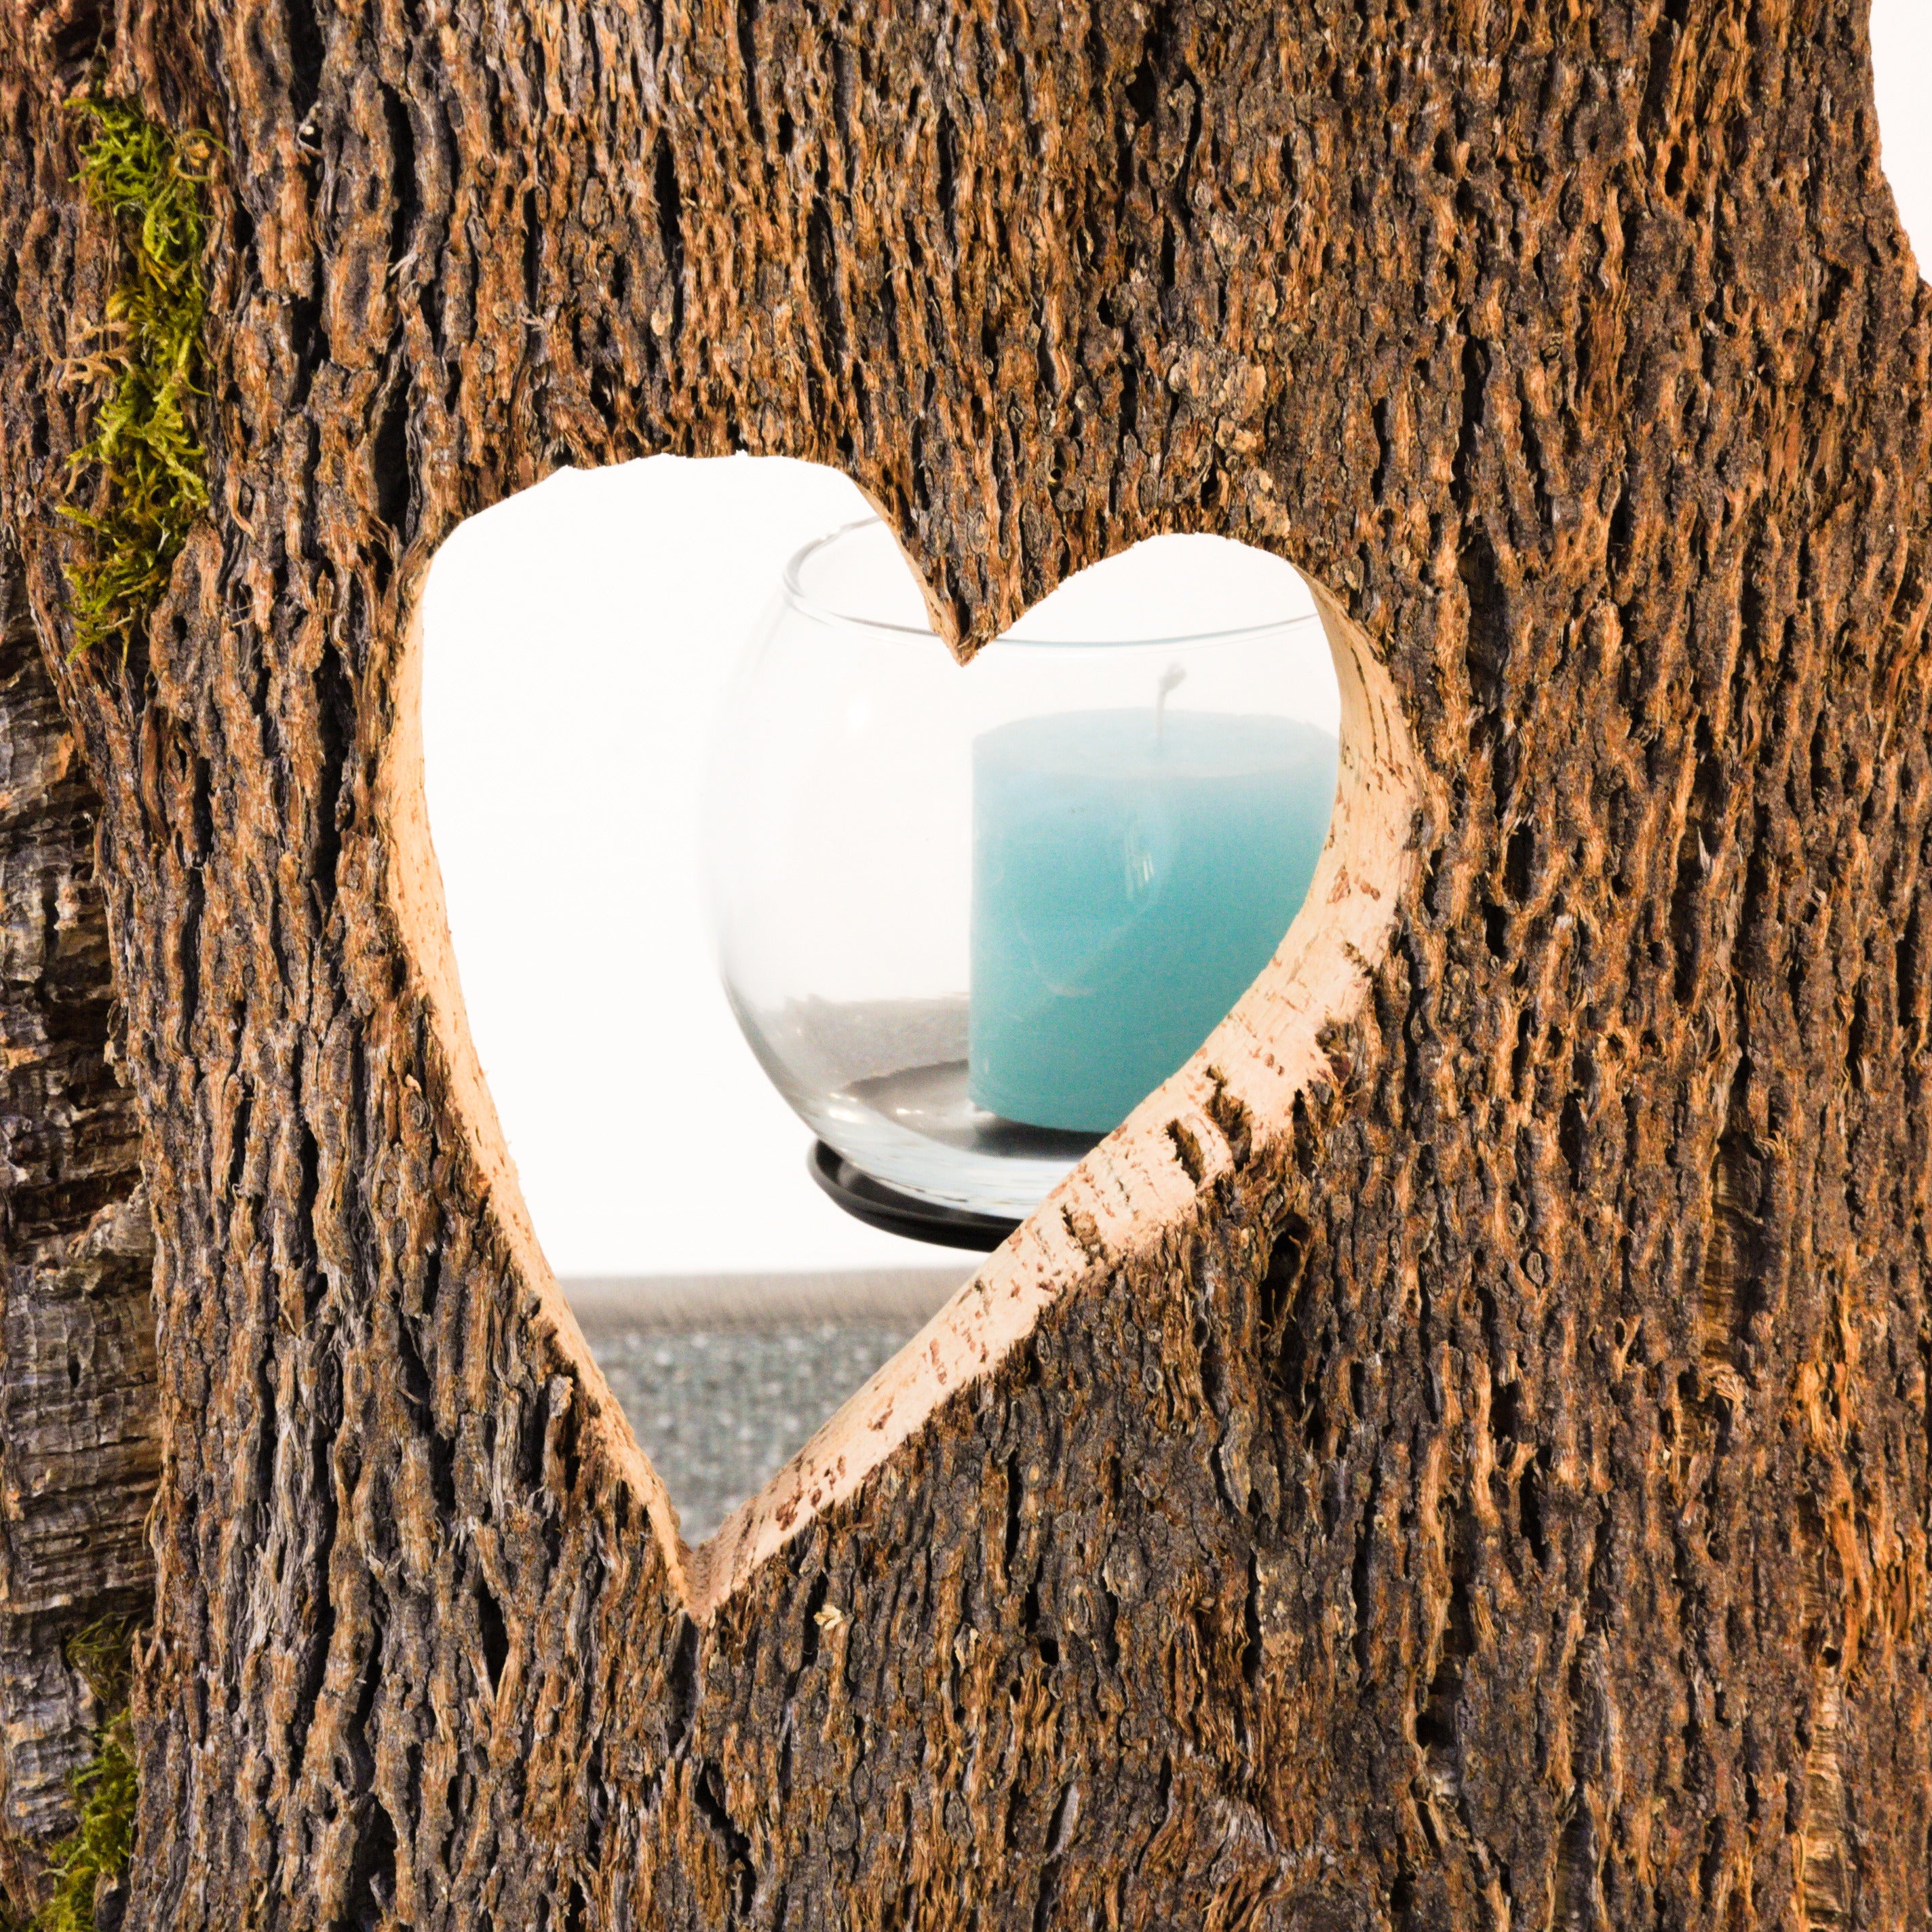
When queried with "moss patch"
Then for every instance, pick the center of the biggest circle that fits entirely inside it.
(149, 486)
(101, 1843)
(106, 1789)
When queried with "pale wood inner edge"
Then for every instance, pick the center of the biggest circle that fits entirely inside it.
(414, 881)
(1123, 1197)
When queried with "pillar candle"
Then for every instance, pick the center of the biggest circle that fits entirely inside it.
(1133, 872)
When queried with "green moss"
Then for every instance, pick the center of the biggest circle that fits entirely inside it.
(150, 487)
(101, 1844)
(106, 1788)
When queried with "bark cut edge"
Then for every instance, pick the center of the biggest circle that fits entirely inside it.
(1144, 1179)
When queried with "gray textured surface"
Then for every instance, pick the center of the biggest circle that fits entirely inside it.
(719, 1410)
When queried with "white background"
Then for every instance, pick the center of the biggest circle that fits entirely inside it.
(579, 639)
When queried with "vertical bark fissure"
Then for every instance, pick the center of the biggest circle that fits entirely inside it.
(78, 1453)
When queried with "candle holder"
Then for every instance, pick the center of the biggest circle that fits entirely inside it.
(968, 917)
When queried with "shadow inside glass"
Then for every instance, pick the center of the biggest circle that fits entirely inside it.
(932, 1101)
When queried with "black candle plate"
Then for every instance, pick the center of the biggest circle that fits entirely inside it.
(879, 1206)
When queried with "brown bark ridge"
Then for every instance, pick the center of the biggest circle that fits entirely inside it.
(1460, 1457)
(79, 1455)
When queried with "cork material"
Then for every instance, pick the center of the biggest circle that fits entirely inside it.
(1459, 1458)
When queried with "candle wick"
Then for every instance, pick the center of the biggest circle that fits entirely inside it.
(1169, 678)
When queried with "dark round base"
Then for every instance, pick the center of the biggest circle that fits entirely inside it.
(879, 1206)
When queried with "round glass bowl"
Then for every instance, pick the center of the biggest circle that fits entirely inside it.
(968, 917)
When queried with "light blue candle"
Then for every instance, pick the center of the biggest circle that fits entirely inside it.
(1132, 873)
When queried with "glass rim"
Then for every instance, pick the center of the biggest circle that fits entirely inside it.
(802, 600)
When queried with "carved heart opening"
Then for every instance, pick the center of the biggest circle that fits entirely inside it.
(1233, 1100)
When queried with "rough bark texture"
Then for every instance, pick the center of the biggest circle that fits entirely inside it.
(78, 1449)
(1486, 1485)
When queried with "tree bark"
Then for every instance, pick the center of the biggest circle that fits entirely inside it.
(1460, 1457)
(78, 1452)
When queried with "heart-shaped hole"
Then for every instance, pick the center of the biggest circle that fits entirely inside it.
(557, 925)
